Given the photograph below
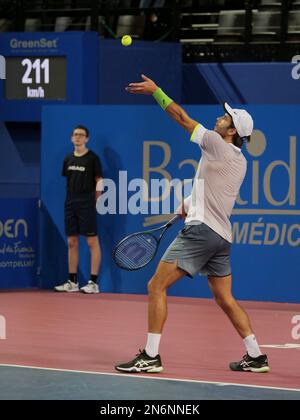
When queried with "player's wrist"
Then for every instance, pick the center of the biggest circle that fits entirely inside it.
(162, 98)
(154, 88)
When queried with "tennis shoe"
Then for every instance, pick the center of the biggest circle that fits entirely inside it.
(249, 364)
(90, 288)
(68, 287)
(142, 363)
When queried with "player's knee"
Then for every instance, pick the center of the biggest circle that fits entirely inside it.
(92, 241)
(73, 242)
(225, 302)
(151, 286)
(155, 286)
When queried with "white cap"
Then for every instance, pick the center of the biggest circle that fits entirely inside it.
(242, 120)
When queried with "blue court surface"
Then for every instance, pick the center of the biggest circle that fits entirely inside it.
(26, 383)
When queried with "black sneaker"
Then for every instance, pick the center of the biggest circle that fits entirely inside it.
(142, 363)
(249, 364)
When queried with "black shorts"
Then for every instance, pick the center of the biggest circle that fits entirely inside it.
(81, 217)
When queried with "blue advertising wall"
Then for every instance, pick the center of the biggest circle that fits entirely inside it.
(18, 243)
(241, 83)
(135, 139)
(119, 66)
(19, 163)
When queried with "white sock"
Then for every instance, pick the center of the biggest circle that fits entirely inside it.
(252, 346)
(152, 345)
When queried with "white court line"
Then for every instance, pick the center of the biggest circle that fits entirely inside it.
(139, 376)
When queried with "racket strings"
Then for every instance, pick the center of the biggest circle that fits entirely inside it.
(136, 251)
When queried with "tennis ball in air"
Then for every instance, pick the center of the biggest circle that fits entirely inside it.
(126, 40)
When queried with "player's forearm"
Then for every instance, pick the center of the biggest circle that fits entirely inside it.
(179, 115)
(176, 112)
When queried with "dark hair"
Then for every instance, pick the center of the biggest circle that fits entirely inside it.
(239, 141)
(82, 127)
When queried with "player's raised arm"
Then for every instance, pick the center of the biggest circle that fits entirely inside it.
(149, 87)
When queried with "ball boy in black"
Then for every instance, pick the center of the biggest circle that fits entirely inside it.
(83, 173)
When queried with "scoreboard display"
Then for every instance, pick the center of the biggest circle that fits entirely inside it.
(46, 68)
(34, 78)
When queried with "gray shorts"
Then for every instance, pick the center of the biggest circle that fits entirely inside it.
(200, 250)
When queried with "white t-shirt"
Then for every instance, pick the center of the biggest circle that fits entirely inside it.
(218, 180)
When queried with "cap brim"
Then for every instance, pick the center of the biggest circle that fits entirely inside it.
(228, 109)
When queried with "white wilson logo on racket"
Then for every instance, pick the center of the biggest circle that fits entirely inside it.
(138, 250)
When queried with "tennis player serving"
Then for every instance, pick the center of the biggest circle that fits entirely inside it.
(203, 246)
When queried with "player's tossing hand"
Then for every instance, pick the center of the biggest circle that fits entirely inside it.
(147, 87)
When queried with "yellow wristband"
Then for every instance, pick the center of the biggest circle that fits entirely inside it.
(162, 99)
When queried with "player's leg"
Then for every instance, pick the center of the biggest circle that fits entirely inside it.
(165, 275)
(221, 289)
(185, 256)
(71, 285)
(73, 254)
(87, 217)
(72, 233)
(95, 251)
(219, 271)
(254, 361)
(94, 245)
(149, 360)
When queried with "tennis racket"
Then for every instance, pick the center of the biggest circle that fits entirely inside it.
(138, 250)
